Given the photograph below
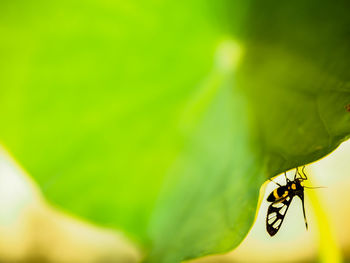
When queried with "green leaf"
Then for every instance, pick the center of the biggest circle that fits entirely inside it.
(209, 199)
(128, 114)
(295, 76)
(296, 92)
(91, 93)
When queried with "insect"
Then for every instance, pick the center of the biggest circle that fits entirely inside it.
(281, 198)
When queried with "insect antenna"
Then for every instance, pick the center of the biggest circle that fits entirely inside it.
(308, 187)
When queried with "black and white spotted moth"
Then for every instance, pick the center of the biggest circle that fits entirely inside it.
(281, 198)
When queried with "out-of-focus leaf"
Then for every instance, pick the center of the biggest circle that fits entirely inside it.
(209, 200)
(91, 96)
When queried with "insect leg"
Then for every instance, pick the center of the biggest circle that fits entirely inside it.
(302, 201)
(303, 172)
(285, 176)
(274, 182)
(305, 217)
(296, 173)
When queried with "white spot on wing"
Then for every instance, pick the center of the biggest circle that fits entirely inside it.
(277, 223)
(277, 205)
(274, 214)
(283, 210)
(271, 220)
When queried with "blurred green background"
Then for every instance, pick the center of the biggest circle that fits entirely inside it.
(163, 119)
(94, 90)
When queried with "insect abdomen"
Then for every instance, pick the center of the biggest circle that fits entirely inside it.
(278, 193)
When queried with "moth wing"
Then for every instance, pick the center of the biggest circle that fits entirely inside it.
(275, 215)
